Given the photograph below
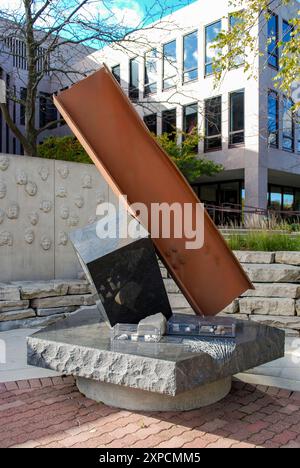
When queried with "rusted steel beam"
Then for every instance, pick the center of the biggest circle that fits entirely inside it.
(111, 131)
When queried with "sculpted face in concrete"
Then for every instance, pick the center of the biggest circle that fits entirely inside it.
(63, 238)
(2, 216)
(29, 236)
(46, 243)
(61, 192)
(13, 211)
(46, 206)
(31, 188)
(86, 181)
(33, 218)
(63, 172)
(4, 163)
(64, 212)
(43, 173)
(6, 238)
(3, 189)
(73, 220)
(79, 201)
(21, 178)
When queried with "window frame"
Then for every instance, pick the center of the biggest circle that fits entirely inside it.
(219, 135)
(185, 72)
(164, 79)
(275, 54)
(148, 85)
(205, 46)
(230, 132)
(118, 78)
(131, 89)
(292, 138)
(154, 114)
(162, 120)
(274, 146)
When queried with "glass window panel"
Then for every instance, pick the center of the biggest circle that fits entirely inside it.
(208, 194)
(237, 118)
(23, 95)
(288, 200)
(169, 65)
(273, 40)
(190, 58)
(150, 84)
(190, 118)
(169, 123)
(235, 21)
(273, 118)
(287, 30)
(211, 33)
(151, 122)
(297, 201)
(213, 123)
(287, 125)
(275, 198)
(134, 79)
(116, 71)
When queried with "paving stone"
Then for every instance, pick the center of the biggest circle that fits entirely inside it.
(289, 258)
(55, 311)
(17, 315)
(267, 306)
(9, 292)
(7, 306)
(288, 290)
(254, 257)
(63, 301)
(261, 273)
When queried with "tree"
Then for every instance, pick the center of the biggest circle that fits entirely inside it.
(56, 35)
(185, 155)
(240, 40)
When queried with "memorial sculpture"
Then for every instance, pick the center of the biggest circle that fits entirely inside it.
(132, 352)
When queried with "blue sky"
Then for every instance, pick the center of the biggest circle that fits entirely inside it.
(168, 5)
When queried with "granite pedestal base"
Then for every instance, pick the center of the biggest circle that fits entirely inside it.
(140, 400)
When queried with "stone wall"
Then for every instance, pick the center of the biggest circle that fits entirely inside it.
(41, 201)
(275, 301)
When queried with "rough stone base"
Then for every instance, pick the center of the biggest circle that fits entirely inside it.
(140, 400)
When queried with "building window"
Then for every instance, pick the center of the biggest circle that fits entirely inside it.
(190, 57)
(150, 83)
(169, 65)
(213, 124)
(23, 95)
(234, 21)
(134, 79)
(116, 71)
(273, 55)
(287, 30)
(273, 111)
(288, 127)
(237, 118)
(48, 112)
(151, 122)
(211, 33)
(169, 123)
(190, 122)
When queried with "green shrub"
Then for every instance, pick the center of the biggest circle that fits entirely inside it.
(264, 241)
(65, 148)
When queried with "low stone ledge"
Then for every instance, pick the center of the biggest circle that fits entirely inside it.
(267, 306)
(171, 286)
(9, 293)
(17, 315)
(255, 257)
(42, 289)
(292, 323)
(55, 311)
(79, 287)
(260, 273)
(283, 290)
(289, 258)
(7, 306)
(233, 308)
(298, 307)
(63, 301)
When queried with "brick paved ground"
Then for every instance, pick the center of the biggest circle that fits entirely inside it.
(52, 413)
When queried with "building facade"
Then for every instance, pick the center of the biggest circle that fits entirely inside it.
(246, 124)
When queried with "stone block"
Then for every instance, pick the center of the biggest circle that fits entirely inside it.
(55, 311)
(262, 273)
(289, 258)
(42, 289)
(63, 301)
(233, 308)
(79, 287)
(292, 323)
(288, 290)
(7, 306)
(298, 307)
(178, 301)
(17, 315)
(35, 322)
(255, 257)
(267, 306)
(171, 286)
(9, 292)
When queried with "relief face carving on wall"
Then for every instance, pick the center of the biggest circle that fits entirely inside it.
(31, 188)
(86, 181)
(13, 211)
(6, 238)
(64, 212)
(21, 178)
(79, 201)
(63, 172)
(46, 206)
(63, 238)
(2, 216)
(33, 218)
(29, 236)
(4, 163)
(61, 192)
(73, 220)
(3, 189)
(46, 243)
(43, 173)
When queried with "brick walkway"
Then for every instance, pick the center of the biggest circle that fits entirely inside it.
(52, 413)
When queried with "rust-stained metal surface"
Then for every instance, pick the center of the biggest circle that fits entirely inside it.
(131, 161)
